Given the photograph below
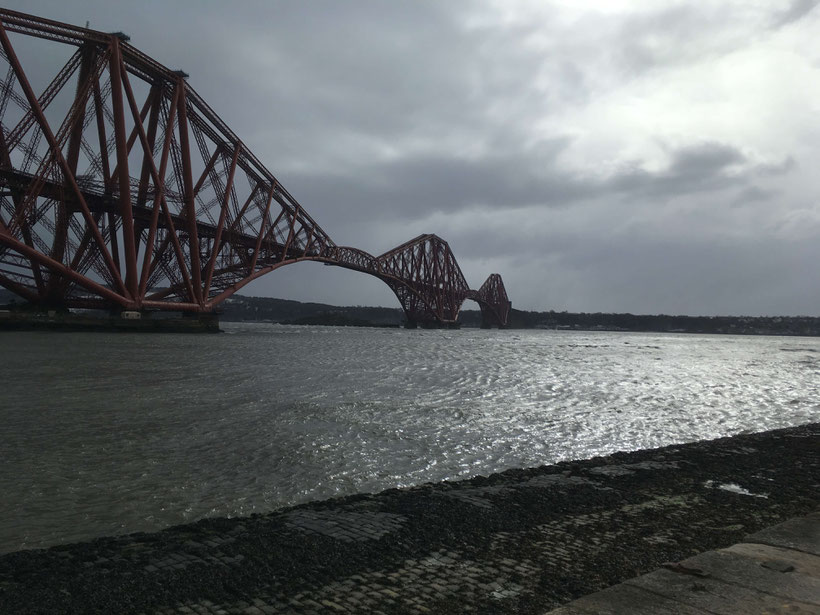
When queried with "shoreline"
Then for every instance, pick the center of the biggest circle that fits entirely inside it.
(245, 309)
(522, 541)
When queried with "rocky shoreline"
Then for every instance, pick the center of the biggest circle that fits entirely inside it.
(522, 541)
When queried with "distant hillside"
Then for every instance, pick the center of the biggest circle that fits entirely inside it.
(240, 307)
(663, 323)
(265, 309)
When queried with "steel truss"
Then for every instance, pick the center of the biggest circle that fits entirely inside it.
(121, 189)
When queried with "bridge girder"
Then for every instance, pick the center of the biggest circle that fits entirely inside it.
(123, 188)
(427, 280)
(432, 287)
(494, 303)
(120, 188)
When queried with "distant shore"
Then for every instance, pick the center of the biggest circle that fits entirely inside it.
(522, 541)
(240, 308)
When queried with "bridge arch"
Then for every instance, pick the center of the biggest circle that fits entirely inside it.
(428, 282)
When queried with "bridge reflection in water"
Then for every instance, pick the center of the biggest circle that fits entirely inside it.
(121, 189)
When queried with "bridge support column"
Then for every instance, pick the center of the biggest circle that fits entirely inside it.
(490, 318)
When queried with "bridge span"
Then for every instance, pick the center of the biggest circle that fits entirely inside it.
(121, 189)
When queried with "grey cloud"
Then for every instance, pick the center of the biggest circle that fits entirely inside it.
(418, 186)
(415, 187)
(683, 34)
(684, 275)
(753, 194)
(694, 168)
(662, 37)
(775, 169)
(704, 159)
(797, 11)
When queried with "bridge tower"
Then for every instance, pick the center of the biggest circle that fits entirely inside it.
(120, 188)
(427, 280)
(494, 303)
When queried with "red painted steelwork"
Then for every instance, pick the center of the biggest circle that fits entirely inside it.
(433, 287)
(120, 188)
(495, 305)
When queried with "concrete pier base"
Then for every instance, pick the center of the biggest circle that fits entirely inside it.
(136, 322)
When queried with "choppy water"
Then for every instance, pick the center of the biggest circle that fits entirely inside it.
(112, 433)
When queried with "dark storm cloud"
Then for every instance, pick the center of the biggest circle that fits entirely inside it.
(413, 188)
(693, 168)
(386, 71)
(753, 194)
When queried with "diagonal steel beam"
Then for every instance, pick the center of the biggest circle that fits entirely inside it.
(44, 126)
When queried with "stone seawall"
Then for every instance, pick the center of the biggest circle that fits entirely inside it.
(523, 541)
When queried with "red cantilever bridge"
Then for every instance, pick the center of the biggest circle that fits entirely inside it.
(121, 189)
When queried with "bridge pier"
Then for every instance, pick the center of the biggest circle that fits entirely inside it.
(128, 321)
(431, 324)
(491, 323)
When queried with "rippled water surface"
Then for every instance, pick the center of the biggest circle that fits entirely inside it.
(113, 433)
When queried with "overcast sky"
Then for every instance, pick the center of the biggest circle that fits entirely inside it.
(641, 156)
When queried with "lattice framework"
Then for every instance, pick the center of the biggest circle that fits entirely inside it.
(120, 188)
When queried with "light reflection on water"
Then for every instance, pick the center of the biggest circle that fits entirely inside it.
(113, 433)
